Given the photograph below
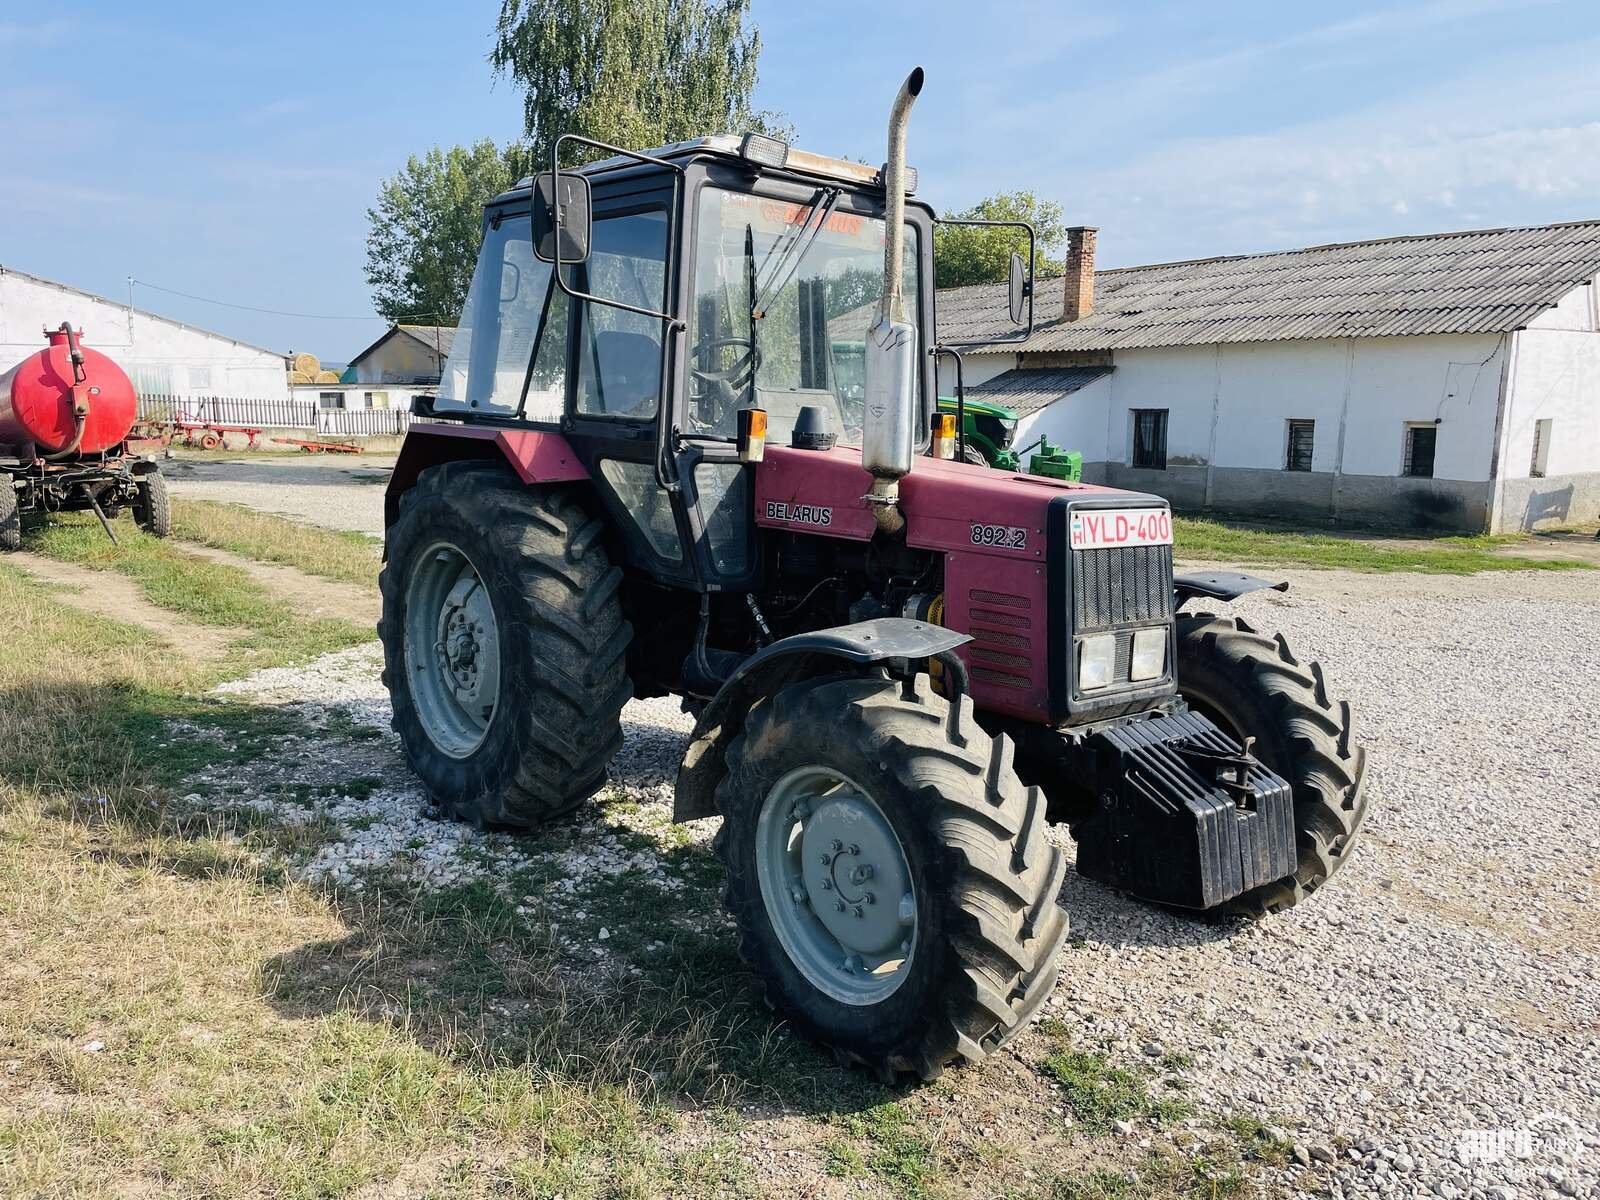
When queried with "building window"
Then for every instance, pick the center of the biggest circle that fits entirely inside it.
(1150, 439)
(329, 401)
(1301, 436)
(1420, 441)
(1541, 448)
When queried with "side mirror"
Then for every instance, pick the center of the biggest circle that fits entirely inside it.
(1017, 289)
(561, 208)
(422, 405)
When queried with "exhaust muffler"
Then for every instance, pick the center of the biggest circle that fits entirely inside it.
(888, 438)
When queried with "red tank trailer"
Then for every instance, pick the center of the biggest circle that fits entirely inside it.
(65, 414)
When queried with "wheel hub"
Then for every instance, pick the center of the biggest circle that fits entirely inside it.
(837, 885)
(452, 649)
(851, 856)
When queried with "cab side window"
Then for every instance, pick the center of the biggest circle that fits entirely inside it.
(619, 352)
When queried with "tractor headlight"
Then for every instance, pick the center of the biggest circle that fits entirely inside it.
(1097, 659)
(1149, 654)
(1008, 434)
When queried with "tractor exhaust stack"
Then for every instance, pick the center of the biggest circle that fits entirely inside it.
(892, 356)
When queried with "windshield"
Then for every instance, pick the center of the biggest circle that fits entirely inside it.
(817, 273)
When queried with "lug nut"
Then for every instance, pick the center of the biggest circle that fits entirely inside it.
(798, 894)
(870, 897)
(827, 885)
(837, 845)
(854, 849)
(859, 911)
(838, 905)
(825, 860)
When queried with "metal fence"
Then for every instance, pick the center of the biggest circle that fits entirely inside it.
(364, 422)
(274, 414)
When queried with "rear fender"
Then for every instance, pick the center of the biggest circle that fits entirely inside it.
(861, 646)
(536, 455)
(1220, 585)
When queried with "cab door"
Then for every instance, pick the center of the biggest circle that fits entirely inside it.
(621, 362)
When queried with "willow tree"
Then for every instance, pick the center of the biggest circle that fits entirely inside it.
(635, 73)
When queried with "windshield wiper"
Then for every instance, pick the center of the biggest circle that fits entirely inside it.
(821, 208)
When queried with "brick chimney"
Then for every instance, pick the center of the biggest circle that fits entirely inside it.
(1079, 299)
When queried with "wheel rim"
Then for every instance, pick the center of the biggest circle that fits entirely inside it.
(452, 649)
(836, 885)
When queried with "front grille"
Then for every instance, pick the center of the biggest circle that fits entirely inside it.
(1121, 586)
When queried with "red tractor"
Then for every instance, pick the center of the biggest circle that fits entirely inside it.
(652, 481)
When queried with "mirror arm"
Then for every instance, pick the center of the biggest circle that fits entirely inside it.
(672, 319)
(961, 394)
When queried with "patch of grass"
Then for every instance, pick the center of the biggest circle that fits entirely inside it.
(332, 554)
(1097, 1092)
(895, 1149)
(1160, 1176)
(1214, 541)
(207, 593)
(1257, 1142)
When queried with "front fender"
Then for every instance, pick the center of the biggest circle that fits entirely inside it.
(536, 455)
(792, 658)
(1220, 585)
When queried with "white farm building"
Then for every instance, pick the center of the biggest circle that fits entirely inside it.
(1450, 380)
(161, 356)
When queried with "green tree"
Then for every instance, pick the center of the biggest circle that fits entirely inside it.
(426, 226)
(634, 73)
(972, 254)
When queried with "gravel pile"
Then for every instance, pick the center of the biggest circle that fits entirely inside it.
(1424, 1026)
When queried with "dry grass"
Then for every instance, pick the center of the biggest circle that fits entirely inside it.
(331, 554)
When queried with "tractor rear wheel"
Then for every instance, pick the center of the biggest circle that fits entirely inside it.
(1251, 685)
(152, 511)
(971, 454)
(503, 644)
(890, 877)
(10, 517)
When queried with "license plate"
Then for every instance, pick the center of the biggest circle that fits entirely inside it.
(1110, 528)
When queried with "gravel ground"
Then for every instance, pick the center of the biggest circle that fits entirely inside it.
(1424, 1026)
(305, 487)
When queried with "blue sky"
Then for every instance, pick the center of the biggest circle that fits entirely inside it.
(231, 151)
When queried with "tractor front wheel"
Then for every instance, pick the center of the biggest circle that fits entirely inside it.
(1252, 686)
(889, 875)
(503, 643)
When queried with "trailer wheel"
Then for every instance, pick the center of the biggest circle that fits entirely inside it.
(10, 517)
(152, 511)
(503, 644)
(210, 441)
(890, 877)
(1251, 685)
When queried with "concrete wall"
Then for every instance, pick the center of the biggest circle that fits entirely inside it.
(401, 359)
(1554, 376)
(160, 356)
(1227, 426)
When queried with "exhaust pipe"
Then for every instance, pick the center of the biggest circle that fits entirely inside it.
(889, 437)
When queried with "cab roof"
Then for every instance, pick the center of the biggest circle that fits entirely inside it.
(732, 148)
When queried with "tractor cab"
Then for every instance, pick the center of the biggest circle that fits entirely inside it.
(694, 281)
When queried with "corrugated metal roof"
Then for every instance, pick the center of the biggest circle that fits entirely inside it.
(1476, 281)
(1026, 391)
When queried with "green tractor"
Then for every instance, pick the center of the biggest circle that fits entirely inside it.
(987, 431)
